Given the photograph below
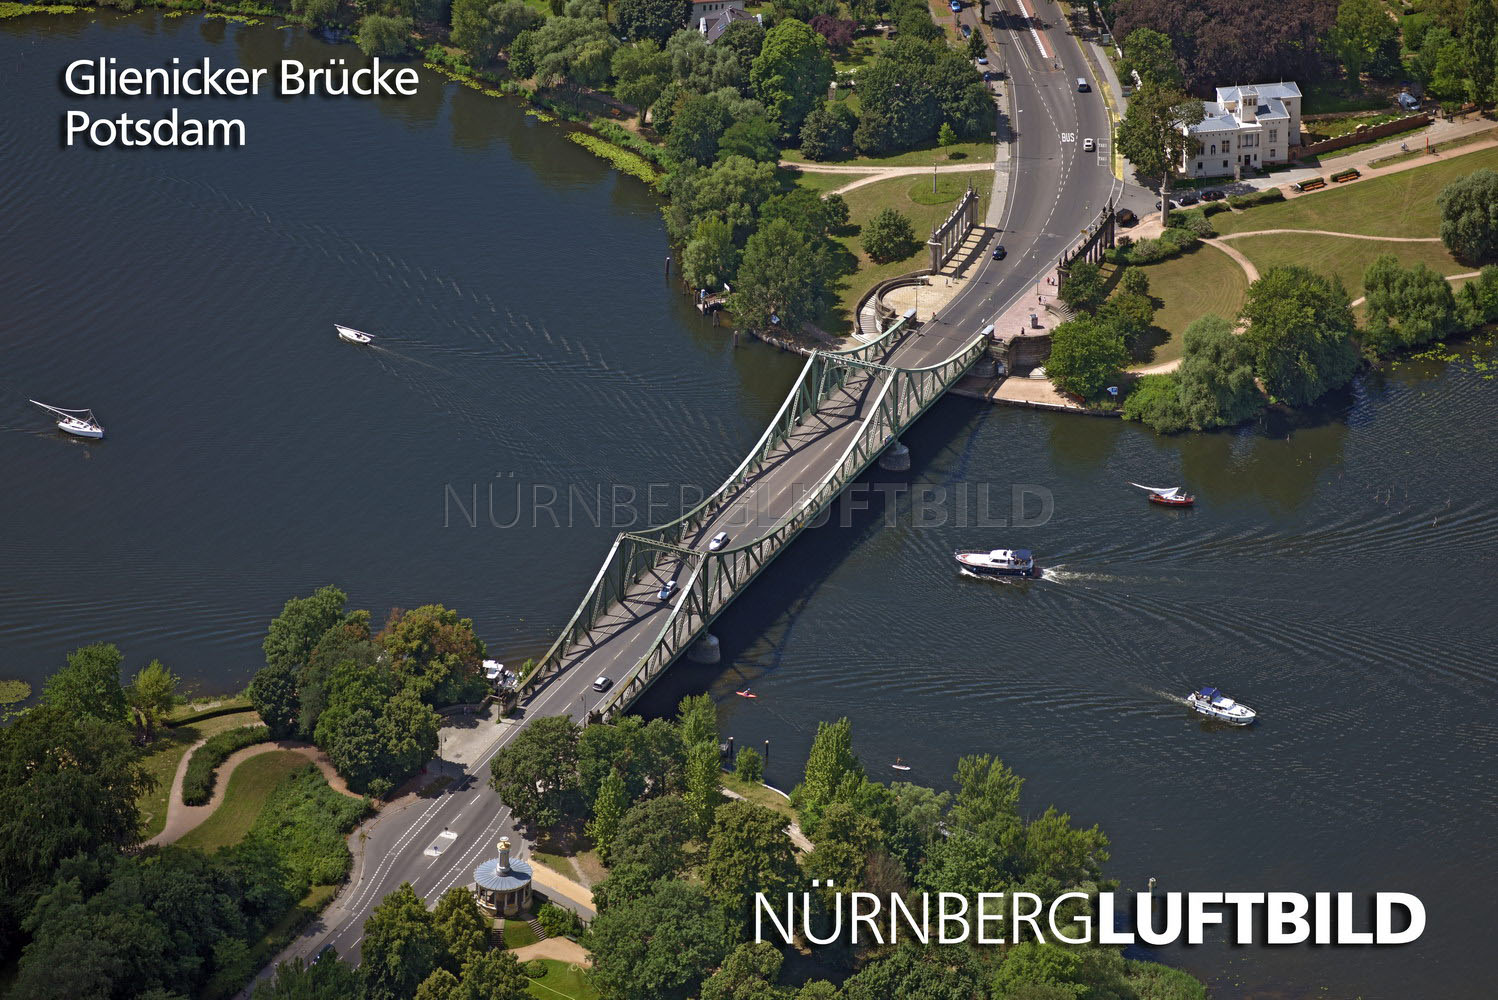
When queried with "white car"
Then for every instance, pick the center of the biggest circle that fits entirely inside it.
(602, 684)
(1088, 146)
(667, 589)
(718, 541)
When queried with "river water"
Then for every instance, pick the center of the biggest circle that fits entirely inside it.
(1337, 574)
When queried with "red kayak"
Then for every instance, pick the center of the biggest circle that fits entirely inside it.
(746, 693)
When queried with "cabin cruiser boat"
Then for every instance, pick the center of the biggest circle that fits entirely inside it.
(1215, 705)
(79, 423)
(351, 335)
(998, 562)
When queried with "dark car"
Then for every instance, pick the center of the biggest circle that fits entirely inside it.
(1189, 198)
(1126, 217)
(1213, 194)
(1174, 204)
(967, 31)
(999, 253)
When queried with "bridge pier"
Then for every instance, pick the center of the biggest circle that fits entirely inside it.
(705, 651)
(896, 457)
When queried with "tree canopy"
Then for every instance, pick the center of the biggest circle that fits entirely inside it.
(1300, 330)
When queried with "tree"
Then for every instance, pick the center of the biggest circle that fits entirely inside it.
(536, 773)
(827, 133)
(328, 979)
(89, 686)
(1469, 215)
(752, 137)
(791, 73)
(783, 275)
(837, 31)
(744, 38)
(317, 13)
(608, 809)
(748, 852)
(654, 835)
(888, 236)
(976, 46)
(69, 786)
(704, 790)
(1216, 377)
(641, 72)
(435, 654)
(1154, 136)
(915, 973)
(832, 772)
(1059, 857)
(380, 35)
(656, 20)
(749, 973)
(151, 696)
(1150, 54)
(1134, 280)
(1129, 314)
(702, 68)
(1300, 329)
(481, 28)
(916, 820)
(696, 128)
(1155, 401)
(749, 766)
(1480, 37)
(710, 257)
(494, 975)
(402, 946)
(697, 718)
(1363, 32)
(1086, 355)
(658, 946)
(1083, 286)
(1406, 306)
(464, 929)
(576, 49)
(732, 189)
(294, 633)
(440, 985)
(1219, 41)
(273, 693)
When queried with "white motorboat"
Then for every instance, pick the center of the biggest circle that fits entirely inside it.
(998, 562)
(351, 335)
(1215, 705)
(79, 423)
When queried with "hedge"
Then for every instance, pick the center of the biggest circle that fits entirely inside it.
(1213, 207)
(229, 707)
(1171, 243)
(1256, 198)
(197, 783)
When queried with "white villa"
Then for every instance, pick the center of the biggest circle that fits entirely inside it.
(712, 17)
(1245, 127)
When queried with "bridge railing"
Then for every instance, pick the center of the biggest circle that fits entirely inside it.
(903, 395)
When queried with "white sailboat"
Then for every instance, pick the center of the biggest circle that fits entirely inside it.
(351, 335)
(79, 423)
(1170, 496)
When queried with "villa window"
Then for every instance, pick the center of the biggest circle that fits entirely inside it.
(1273, 135)
(1225, 147)
(1271, 153)
(1214, 149)
(1224, 164)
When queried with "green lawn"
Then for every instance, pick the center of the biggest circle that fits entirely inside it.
(166, 753)
(760, 795)
(866, 202)
(1343, 257)
(1187, 287)
(249, 786)
(518, 934)
(1401, 204)
(860, 53)
(961, 152)
(1439, 147)
(822, 183)
(564, 980)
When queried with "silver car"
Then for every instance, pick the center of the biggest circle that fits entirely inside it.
(718, 541)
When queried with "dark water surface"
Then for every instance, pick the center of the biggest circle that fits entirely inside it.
(1336, 576)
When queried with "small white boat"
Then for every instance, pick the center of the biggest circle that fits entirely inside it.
(79, 423)
(1168, 496)
(351, 335)
(1215, 705)
(998, 562)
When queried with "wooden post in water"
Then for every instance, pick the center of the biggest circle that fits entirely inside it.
(767, 751)
(668, 265)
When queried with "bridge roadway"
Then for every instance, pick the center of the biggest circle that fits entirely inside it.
(1055, 191)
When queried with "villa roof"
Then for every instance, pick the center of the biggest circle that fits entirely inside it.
(1218, 119)
(1276, 90)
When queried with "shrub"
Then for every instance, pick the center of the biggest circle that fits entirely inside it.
(1256, 198)
(305, 822)
(1155, 402)
(750, 766)
(535, 968)
(558, 922)
(197, 783)
(1134, 281)
(888, 236)
(1082, 288)
(379, 35)
(1200, 226)
(1213, 207)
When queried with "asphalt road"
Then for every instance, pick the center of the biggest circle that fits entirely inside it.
(1055, 191)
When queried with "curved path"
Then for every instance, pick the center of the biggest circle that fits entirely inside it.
(560, 949)
(873, 175)
(1329, 232)
(181, 819)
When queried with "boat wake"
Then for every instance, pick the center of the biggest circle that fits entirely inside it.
(988, 578)
(1172, 698)
(1076, 576)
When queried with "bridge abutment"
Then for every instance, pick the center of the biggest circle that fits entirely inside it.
(705, 651)
(896, 457)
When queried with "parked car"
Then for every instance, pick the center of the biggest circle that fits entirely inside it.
(1213, 194)
(1088, 145)
(1125, 217)
(718, 541)
(1189, 198)
(999, 253)
(667, 589)
(956, 6)
(983, 60)
(1173, 204)
(967, 31)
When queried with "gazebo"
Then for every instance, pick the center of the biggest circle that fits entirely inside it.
(503, 884)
